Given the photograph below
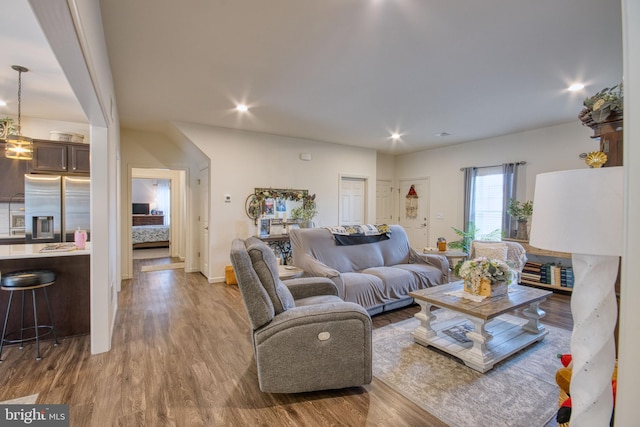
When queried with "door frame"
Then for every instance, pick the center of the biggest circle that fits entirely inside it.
(180, 238)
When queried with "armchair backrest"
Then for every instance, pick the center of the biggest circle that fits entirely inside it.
(263, 293)
(513, 252)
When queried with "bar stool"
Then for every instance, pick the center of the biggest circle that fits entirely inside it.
(24, 281)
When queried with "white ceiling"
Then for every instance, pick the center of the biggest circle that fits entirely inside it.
(348, 72)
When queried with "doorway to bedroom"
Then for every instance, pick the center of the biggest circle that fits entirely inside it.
(151, 217)
(158, 215)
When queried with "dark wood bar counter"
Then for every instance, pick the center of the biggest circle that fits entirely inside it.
(69, 295)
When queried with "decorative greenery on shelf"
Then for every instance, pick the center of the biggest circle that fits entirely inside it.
(520, 211)
(304, 213)
(599, 107)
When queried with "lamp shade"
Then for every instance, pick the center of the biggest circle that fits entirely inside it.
(579, 211)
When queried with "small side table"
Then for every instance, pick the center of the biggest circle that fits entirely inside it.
(289, 272)
(451, 255)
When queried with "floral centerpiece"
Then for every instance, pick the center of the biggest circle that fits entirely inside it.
(602, 106)
(485, 276)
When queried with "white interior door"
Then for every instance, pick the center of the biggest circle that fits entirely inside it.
(414, 211)
(384, 211)
(204, 222)
(352, 201)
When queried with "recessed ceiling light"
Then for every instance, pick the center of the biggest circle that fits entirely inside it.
(441, 134)
(576, 86)
(2, 103)
(395, 136)
(242, 108)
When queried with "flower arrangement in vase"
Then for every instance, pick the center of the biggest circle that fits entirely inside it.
(485, 276)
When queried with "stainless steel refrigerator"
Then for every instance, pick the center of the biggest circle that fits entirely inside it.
(55, 206)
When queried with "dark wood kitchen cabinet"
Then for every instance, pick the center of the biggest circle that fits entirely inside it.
(60, 157)
(12, 177)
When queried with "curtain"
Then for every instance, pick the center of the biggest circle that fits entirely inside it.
(509, 187)
(469, 202)
(163, 195)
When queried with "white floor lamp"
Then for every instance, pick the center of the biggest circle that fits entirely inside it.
(580, 212)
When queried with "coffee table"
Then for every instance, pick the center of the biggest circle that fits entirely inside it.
(491, 338)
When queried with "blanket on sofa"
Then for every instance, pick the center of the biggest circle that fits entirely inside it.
(359, 234)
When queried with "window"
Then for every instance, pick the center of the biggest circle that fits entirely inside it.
(487, 212)
(487, 192)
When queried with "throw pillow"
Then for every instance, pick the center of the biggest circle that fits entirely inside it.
(265, 264)
(491, 250)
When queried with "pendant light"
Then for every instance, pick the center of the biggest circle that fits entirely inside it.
(18, 146)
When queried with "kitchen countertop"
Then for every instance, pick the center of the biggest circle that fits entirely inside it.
(33, 251)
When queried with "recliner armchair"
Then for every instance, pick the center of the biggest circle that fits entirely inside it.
(305, 337)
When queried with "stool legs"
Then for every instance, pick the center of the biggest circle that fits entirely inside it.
(53, 328)
(36, 326)
(4, 328)
(22, 322)
(35, 321)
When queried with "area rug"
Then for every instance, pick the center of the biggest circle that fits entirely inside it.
(159, 267)
(26, 400)
(520, 391)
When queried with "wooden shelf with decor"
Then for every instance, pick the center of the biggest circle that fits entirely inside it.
(536, 251)
(542, 252)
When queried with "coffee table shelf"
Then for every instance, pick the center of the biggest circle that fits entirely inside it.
(494, 335)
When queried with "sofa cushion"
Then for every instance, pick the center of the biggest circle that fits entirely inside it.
(497, 250)
(364, 289)
(266, 267)
(427, 275)
(397, 282)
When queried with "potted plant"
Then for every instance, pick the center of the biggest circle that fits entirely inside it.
(602, 106)
(304, 214)
(464, 244)
(521, 212)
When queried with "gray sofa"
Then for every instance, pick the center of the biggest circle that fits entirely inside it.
(377, 276)
(305, 337)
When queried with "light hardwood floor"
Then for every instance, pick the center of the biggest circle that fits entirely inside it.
(182, 356)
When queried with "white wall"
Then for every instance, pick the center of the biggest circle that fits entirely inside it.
(385, 166)
(73, 29)
(242, 161)
(143, 191)
(629, 348)
(37, 128)
(544, 150)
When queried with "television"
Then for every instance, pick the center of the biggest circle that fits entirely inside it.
(140, 209)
